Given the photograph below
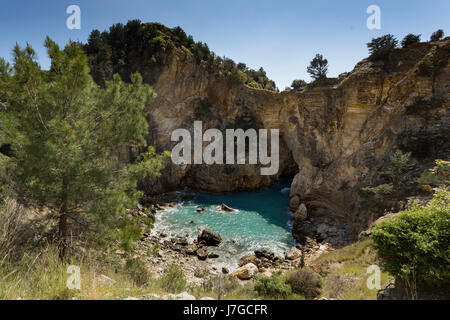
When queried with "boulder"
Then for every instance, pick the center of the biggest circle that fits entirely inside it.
(151, 296)
(265, 253)
(301, 213)
(293, 254)
(191, 249)
(248, 259)
(180, 296)
(202, 253)
(210, 237)
(294, 202)
(265, 272)
(225, 270)
(246, 272)
(226, 208)
(182, 241)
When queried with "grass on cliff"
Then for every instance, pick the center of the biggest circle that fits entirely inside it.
(345, 274)
(44, 276)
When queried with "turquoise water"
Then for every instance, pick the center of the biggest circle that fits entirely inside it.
(262, 220)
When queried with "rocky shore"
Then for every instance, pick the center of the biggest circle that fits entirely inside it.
(199, 258)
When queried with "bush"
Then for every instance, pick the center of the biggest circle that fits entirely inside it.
(437, 35)
(298, 84)
(129, 234)
(437, 176)
(425, 67)
(400, 164)
(410, 39)
(305, 282)
(201, 272)
(380, 48)
(138, 272)
(218, 286)
(379, 192)
(272, 287)
(254, 84)
(173, 279)
(414, 246)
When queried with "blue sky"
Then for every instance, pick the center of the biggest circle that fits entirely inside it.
(281, 36)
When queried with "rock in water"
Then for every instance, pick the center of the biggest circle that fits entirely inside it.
(209, 237)
(246, 272)
(226, 208)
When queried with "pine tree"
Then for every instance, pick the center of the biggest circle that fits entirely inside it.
(66, 132)
(380, 48)
(437, 35)
(410, 39)
(318, 67)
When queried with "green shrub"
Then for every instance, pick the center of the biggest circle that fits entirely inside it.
(173, 279)
(254, 84)
(415, 245)
(272, 287)
(298, 84)
(138, 272)
(437, 176)
(425, 67)
(410, 39)
(380, 48)
(437, 35)
(379, 192)
(400, 164)
(305, 282)
(201, 272)
(396, 173)
(128, 235)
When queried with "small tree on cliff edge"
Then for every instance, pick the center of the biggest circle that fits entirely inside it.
(65, 133)
(318, 68)
(380, 48)
(437, 35)
(410, 39)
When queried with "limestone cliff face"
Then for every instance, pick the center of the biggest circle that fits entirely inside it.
(334, 139)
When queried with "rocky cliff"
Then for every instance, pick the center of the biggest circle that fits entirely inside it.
(334, 139)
